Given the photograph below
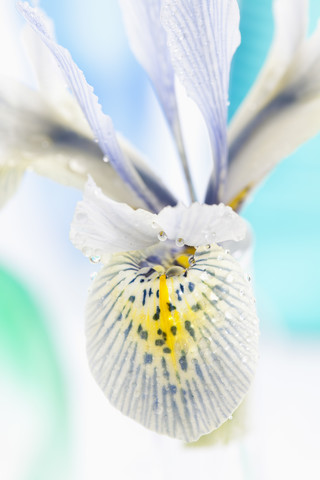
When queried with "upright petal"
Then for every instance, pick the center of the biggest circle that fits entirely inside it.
(100, 123)
(36, 135)
(148, 42)
(290, 27)
(270, 127)
(202, 38)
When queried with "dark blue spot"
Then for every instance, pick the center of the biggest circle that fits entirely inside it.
(173, 330)
(183, 363)
(132, 298)
(164, 366)
(147, 358)
(178, 295)
(156, 316)
(191, 286)
(167, 350)
(153, 259)
(171, 307)
(157, 293)
(150, 292)
(127, 331)
(159, 342)
(119, 317)
(172, 389)
(144, 297)
(181, 288)
(196, 307)
(198, 370)
(144, 335)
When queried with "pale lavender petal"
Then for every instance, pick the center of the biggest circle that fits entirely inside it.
(100, 123)
(148, 41)
(202, 38)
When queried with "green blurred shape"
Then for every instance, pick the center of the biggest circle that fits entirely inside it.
(28, 361)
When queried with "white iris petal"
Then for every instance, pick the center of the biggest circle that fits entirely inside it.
(102, 224)
(175, 352)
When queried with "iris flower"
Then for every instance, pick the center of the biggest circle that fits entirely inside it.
(171, 326)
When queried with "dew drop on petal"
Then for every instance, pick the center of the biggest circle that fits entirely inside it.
(179, 242)
(105, 159)
(247, 277)
(93, 275)
(95, 258)
(162, 236)
(76, 167)
(229, 278)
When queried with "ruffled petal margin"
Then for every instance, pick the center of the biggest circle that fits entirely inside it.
(102, 226)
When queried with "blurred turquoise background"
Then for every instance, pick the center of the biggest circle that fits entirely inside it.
(284, 212)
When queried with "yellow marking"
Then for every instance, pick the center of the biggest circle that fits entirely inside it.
(166, 316)
(183, 260)
(238, 200)
(158, 268)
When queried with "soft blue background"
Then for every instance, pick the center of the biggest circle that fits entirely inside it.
(284, 212)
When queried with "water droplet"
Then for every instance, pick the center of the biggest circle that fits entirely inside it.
(230, 417)
(191, 260)
(213, 297)
(162, 236)
(227, 251)
(229, 278)
(154, 225)
(244, 359)
(105, 159)
(241, 292)
(247, 277)
(76, 167)
(208, 246)
(95, 259)
(96, 140)
(179, 242)
(93, 275)
(228, 315)
(228, 103)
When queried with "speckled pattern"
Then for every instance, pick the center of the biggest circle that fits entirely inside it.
(172, 347)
